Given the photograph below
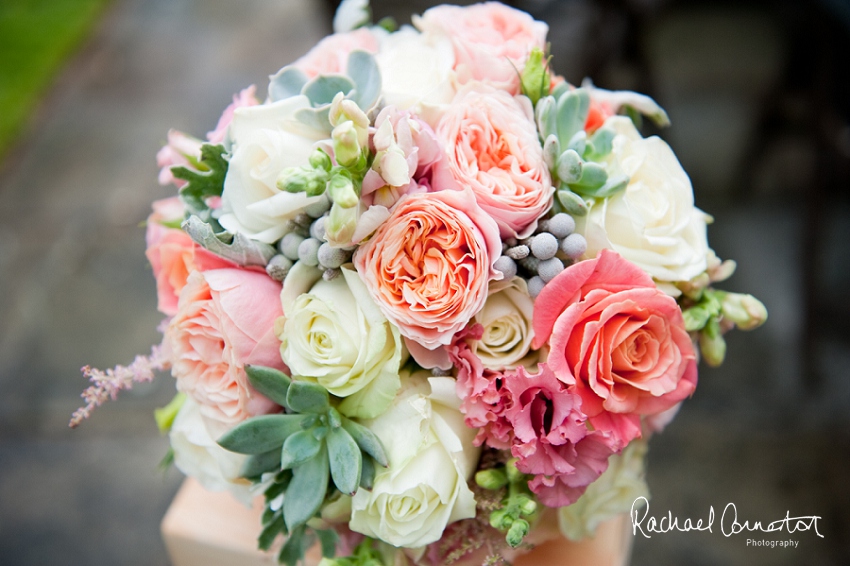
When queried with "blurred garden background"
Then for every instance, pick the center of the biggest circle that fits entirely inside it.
(759, 97)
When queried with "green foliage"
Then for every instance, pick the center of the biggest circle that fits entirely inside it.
(164, 416)
(517, 508)
(36, 38)
(364, 554)
(238, 248)
(535, 79)
(206, 181)
(312, 450)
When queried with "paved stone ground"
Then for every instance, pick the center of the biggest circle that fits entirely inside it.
(76, 290)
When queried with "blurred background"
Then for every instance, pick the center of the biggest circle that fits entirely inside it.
(759, 97)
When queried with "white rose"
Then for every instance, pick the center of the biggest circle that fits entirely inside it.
(197, 455)
(266, 140)
(652, 223)
(612, 494)
(506, 318)
(417, 72)
(431, 457)
(336, 335)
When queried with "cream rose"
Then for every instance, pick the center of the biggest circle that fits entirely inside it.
(417, 72)
(197, 455)
(336, 335)
(266, 139)
(612, 494)
(431, 457)
(506, 319)
(653, 223)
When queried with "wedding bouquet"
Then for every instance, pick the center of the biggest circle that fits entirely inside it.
(426, 290)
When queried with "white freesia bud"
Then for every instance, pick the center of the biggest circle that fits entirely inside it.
(341, 224)
(431, 457)
(745, 311)
(345, 144)
(345, 110)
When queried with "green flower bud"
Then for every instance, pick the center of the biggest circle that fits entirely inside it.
(341, 190)
(517, 532)
(500, 519)
(320, 160)
(711, 343)
(345, 144)
(491, 479)
(535, 78)
(745, 311)
(514, 475)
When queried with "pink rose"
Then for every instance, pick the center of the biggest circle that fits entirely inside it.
(179, 150)
(493, 148)
(330, 56)
(246, 97)
(619, 339)
(491, 41)
(225, 320)
(173, 255)
(428, 266)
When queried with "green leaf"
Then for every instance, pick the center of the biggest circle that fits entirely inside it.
(345, 460)
(578, 142)
(306, 397)
(203, 184)
(306, 492)
(239, 248)
(551, 151)
(363, 69)
(600, 143)
(572, 203)
(593, 176)
(328, 539)
(366, 440)
(167, 460)
(573, 108)
(560, 89)
(260, 434)
(270, 532)
(271, 382)
(322, 89)
(269, 515)
(546, 114)
(611, 187)
(367, 472)
(164, 416)
(294, 548)
(298, 448)
(286, 83)
(569, 167)
(279, 485)
(258, 464)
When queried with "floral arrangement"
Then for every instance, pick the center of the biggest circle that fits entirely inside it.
(427, 295)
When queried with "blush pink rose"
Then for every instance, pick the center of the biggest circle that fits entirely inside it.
(619, 339)
(330, 56)
(179, 151)
(225, 321)
(491, 41)
(428, 266)
(246, 97)
(493, 148)
(173, 255)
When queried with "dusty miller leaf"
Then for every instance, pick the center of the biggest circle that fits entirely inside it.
(203, 184)
(239, 249)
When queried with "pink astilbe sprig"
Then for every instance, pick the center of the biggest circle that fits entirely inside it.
(107, 384)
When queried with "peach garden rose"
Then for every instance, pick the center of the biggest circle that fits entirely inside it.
(493, 148)
(491, 40)
(225, 320)
(428, 266)
(619, 339)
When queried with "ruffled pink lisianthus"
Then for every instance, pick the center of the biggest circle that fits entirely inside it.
(491, 41)
(618, 339)
(173, 255)
(225, 321)
(493, 148)
(330, 56)
(428, 266)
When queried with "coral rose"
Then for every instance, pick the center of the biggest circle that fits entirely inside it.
(491, 41)
(225, 320)
(619, 339)
(428, 266)
(173, 254)
(493, 149)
